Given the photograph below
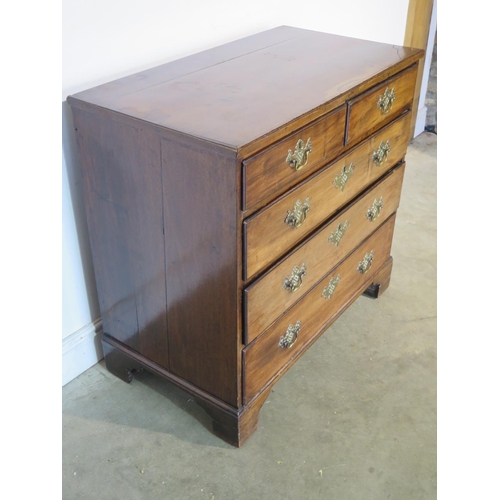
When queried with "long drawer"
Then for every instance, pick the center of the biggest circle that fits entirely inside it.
(271, 295)
(291, 334)
(379, 105)
(272, 231)
(277, 168)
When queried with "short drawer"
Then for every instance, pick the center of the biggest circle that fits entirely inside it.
(285, 340)
(270, 296)
(272, 171)
(276, 228)
(379, 105)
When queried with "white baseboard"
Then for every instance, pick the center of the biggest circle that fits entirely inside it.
(420, 123)
(81, 350)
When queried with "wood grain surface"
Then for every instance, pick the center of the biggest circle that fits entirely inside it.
(263, 359)
(121, 172)
(364, 116)
(225, 97)
(266, 234)
(266, 299)
(268, 174)
(202, 261)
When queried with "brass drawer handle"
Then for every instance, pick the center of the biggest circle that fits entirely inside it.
(298, 159)
(296, 218)
(386, 99)
(341, 179)
(366, 263)
(290, 336)
(374, 211)
(381, 153)
(294, 282)
(336, 236)
(328, 290)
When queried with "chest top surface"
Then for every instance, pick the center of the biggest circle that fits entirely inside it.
(243, 90)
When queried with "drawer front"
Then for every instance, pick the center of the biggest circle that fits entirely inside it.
(264, 358)
(378, 106)
(272, 294)
(272, 171)
(272, 231)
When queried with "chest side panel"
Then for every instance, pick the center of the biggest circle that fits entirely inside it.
(202, 254)
(122, 188)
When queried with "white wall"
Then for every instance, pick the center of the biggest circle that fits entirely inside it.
(105, 40)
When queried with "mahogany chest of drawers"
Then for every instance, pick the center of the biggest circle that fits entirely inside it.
(238, 201)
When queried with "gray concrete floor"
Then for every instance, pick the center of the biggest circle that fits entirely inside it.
(354, 419)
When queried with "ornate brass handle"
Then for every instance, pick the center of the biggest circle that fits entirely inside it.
(366, 263)
(293, 283)
(298, 158)
(381, 153)
(374, 211)
(290, 336)
(328, 290)
(342, 178)
(336, 236)
(385, 100)
(296, 218)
